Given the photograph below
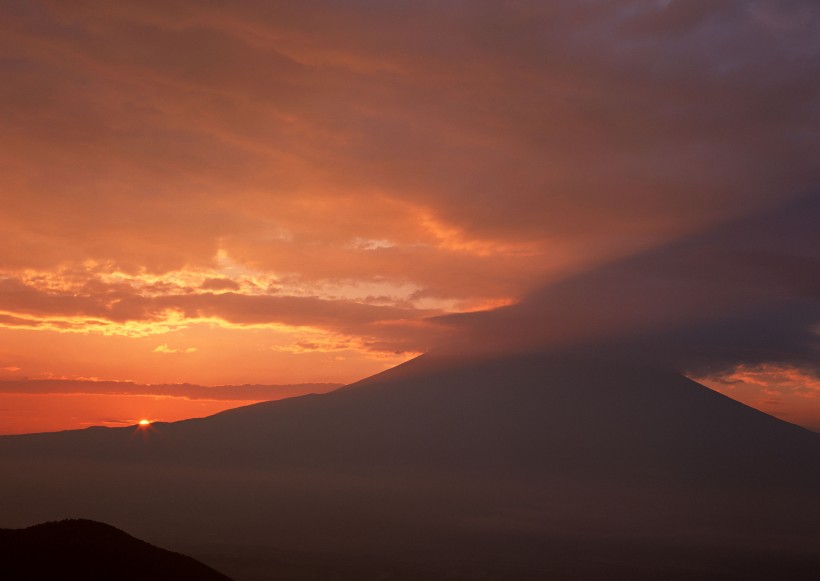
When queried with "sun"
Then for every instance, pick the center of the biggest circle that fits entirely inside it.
(144, 423)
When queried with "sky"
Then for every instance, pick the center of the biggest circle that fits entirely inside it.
(270, 193)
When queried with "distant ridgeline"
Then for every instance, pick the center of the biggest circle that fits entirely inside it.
(90, 550)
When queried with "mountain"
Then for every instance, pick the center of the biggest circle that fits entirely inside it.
(84, 549)
(519, 467)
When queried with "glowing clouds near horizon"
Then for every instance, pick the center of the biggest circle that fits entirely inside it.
(789, 393)
(202, 326)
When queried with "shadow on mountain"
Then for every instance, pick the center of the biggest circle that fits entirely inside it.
(84, 549)
(521, 467)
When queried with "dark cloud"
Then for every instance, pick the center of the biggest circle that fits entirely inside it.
(217, 284)
(745, 292)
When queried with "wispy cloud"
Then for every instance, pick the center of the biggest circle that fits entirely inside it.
(184, 391)
(164, 348)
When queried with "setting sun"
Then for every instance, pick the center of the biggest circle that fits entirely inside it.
(144, 423)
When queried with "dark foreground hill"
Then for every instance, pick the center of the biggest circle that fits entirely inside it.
(525, 467)
(84, 549)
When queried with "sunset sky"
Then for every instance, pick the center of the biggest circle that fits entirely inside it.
(264, 192)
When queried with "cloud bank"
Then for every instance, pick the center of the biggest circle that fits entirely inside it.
(744, 293)
(358, 169)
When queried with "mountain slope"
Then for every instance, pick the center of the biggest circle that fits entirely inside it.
(513, 468)
(533, 414)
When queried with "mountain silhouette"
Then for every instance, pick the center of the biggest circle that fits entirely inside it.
(85, 549)
(519, 467)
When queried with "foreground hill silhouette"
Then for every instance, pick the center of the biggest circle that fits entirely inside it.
(84, 549)
(521, 467)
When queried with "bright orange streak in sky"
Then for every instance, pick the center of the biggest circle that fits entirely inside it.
(46, 413)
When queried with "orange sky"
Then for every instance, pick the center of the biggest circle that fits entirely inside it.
(53, 404)
(281, 192)
(783, 392)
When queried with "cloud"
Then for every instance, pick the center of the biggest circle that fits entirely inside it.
(744, 292)
(157, 134)
(186, 391)
(128, 309)
(363, 167)
(165, 349)
(218, 284)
